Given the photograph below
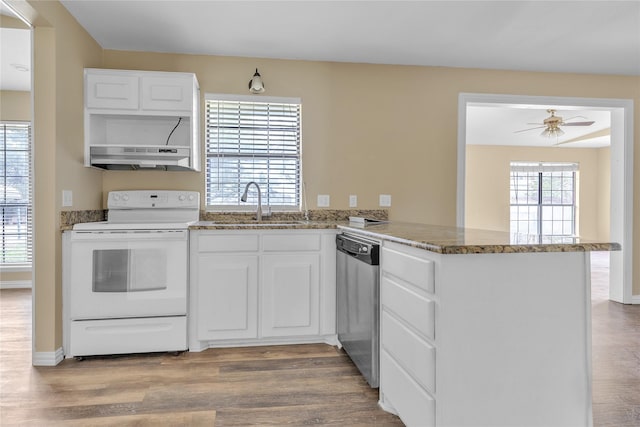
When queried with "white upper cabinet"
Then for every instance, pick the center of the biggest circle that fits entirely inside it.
(141, 120)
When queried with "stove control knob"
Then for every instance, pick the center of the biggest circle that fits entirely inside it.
(181, 197)
(192, 197)
(125, 197)
(116, 197)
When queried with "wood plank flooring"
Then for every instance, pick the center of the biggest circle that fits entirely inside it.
(269, 386)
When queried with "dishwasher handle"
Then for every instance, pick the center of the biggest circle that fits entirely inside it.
(363, 250)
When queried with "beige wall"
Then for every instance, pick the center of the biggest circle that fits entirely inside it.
(61, 50)
(487, 185)
(15, 105)
(604, 193)
(367, 129)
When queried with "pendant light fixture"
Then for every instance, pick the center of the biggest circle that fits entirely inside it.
(255, 84)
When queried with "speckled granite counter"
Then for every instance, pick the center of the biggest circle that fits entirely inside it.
(453, 240)
(439, 239)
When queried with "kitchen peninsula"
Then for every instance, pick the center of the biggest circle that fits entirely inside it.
(477, 327)
(484, 328)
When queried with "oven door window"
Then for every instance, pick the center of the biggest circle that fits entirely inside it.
(129, 270)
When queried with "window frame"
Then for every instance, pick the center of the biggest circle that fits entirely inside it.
(251, 204)
(23, 266)
(541, 169)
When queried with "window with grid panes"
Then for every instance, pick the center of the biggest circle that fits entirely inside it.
(251, 138)
(15, 194)
(543, 199)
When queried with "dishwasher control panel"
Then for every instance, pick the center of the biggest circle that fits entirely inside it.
(363, 249)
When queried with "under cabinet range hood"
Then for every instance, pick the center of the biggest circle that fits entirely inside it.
(128, 157)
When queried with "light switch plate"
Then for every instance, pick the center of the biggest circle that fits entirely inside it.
(353, 201)
(324, 200)
(67, 198)
(385, 200)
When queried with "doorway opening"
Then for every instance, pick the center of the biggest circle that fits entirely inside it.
(526, 113)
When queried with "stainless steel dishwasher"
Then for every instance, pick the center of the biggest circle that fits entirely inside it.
(358, 301)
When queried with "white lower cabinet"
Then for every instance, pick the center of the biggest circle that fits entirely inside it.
(253, 287)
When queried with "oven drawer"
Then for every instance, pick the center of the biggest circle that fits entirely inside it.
(122, 336)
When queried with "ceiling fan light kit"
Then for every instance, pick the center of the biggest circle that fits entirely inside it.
(551, 125)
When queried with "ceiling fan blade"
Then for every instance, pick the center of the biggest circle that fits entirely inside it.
(577, 123)
(596, 134)
(524, 130)
(576, 117)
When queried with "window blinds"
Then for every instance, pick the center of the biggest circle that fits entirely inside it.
(16, 211)
(248, 140)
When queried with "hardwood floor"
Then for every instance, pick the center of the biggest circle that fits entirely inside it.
(276, 385)
(616, 353)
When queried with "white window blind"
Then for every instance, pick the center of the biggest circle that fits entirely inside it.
(16, 212)
(252, 139)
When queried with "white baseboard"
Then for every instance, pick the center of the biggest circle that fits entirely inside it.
(635, 299)
(47, 358)
(15, 284)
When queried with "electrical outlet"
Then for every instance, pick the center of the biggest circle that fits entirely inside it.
(67, 198)
(385, 200)
(324, 200)
(353, 201)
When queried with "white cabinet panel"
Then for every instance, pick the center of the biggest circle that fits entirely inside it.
(227, 296)
(414, 405)
(112, 91)
(290, 295)
(417, 310)
(414, 354)
(167, 93)
(291, 242)
(228, 243)
(416, 271)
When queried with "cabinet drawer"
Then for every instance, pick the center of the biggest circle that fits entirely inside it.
(414, 354)
(414, 405)
(419, 272)
(228, 243)
(417, 310)
(291, 242)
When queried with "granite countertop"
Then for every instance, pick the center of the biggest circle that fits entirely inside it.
(453, 240)
(434, 238)
(263, 225)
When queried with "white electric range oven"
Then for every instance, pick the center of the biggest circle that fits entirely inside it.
(126, 285)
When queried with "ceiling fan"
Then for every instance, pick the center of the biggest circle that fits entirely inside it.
(552, 124)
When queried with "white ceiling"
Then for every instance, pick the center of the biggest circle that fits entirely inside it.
(601, 37)
(498, 124)
(561, 36)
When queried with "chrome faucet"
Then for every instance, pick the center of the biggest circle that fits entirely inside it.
(244, 199)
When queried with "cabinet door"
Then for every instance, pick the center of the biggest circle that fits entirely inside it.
(112, 91)
(227, 296)
(167, 93)
(290, 295)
